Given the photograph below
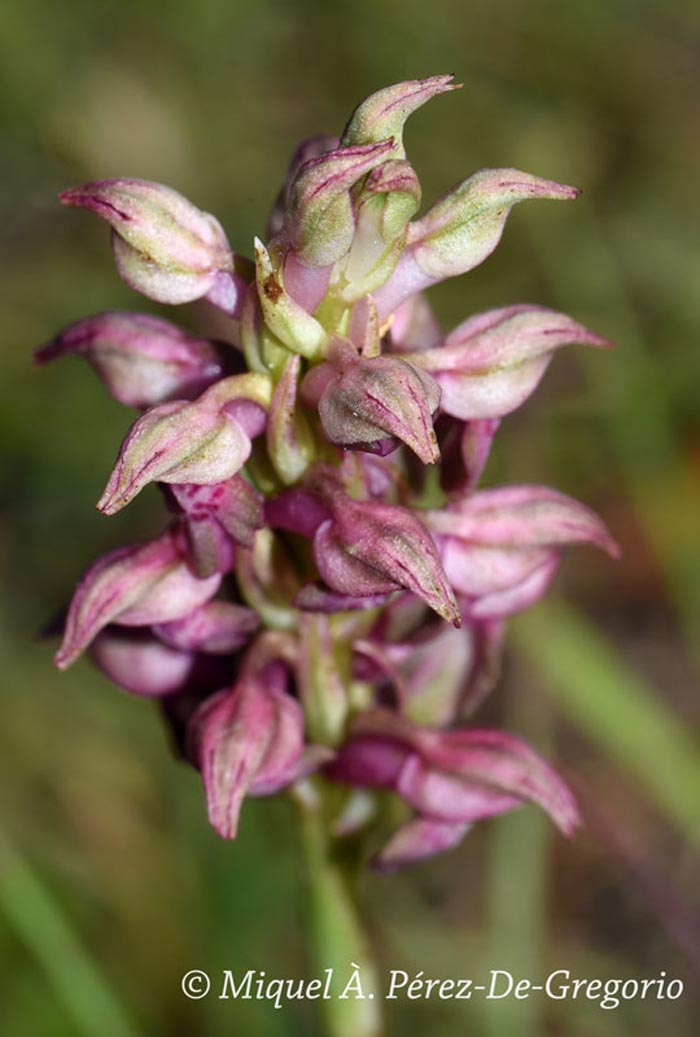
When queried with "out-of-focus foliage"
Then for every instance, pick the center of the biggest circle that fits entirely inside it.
(111, 882)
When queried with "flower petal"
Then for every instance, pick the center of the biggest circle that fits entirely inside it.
(132, 586)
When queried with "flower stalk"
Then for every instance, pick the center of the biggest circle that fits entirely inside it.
(338, 939)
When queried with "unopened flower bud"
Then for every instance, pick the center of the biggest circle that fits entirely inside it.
(456, 776)
(132, 586)
(462, 229)
(372, 404)
(202, 442)
(393, 192)
(312, 147)
(492, 362)
(142, 360)
(369, 548)
(164, 246)
(320, 222)
(390, 197)
(382, 115)
(499, 547)
(248, 741)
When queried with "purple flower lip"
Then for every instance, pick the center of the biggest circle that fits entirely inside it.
(417, 840)
(217, 518)
(298, 511)
(315, 597)
(217, 628)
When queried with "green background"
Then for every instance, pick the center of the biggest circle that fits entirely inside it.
(111, 883)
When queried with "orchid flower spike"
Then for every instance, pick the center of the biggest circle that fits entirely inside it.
(330, 602)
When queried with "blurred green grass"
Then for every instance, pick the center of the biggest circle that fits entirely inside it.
(212, 99)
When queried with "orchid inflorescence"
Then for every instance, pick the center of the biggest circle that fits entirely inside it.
(307, 613)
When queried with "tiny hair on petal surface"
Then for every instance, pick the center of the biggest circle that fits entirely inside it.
(324, 608)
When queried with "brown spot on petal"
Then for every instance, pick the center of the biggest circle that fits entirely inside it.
(272, 288)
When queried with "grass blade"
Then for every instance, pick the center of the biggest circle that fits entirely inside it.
(616, 707)
(38, 921)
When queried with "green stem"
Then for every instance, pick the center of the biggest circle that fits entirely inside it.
(336, 934)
